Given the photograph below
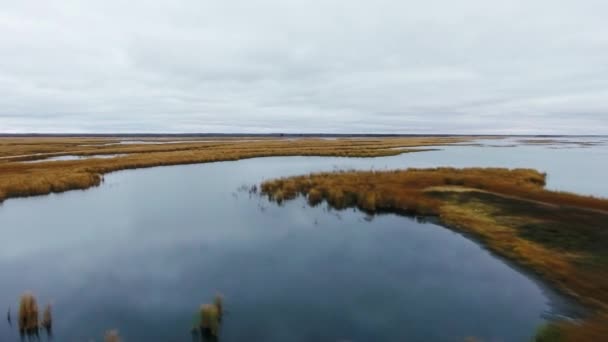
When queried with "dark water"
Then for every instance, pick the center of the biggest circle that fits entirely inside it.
(144, 250)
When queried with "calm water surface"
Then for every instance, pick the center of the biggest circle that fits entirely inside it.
(74, 157)
(141, 252)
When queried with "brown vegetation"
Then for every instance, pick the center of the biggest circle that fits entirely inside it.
(24, 179)
(210, 318)
(29, 323)
(47, 319)
(28, 314)
(560, 236)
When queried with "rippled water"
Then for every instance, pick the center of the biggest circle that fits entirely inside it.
(144, 250)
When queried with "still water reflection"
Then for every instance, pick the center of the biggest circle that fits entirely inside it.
(141, 252)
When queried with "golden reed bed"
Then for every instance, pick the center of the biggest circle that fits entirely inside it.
(18, 178)
(562, 237)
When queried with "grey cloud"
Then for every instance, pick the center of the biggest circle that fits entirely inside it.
(338, 66)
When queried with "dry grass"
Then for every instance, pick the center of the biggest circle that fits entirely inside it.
(47, 319)
(591, 330)
(28, 314)
(47, 316)
(24, 179)
(210, 318)
(560, 236)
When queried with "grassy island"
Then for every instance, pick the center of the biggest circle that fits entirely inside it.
(563, 237)
(19, 178)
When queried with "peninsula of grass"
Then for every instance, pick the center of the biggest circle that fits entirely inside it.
(19, 179)
(563, 237)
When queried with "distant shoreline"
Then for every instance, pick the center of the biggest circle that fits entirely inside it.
(286, 135)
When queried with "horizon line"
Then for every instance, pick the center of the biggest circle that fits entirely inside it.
(278, 134)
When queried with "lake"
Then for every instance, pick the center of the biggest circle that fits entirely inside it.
(141, 252)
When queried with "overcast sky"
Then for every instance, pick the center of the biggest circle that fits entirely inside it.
(333, 66)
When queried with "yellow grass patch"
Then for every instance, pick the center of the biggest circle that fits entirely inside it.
(24, 179)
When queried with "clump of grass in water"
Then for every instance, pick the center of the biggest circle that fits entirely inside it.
(28, 315)
(210, 317)
(47, 320)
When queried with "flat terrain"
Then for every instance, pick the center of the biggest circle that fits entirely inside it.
(20, 177)
(560, 236)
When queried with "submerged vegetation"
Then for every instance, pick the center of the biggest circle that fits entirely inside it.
(560, 236)
(112, 336)
(27, 179)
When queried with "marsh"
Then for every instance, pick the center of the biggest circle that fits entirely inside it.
(141, 252)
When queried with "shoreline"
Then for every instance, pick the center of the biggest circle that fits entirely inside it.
(21, 179)
(534, 236)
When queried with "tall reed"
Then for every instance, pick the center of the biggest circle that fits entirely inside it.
(210, 318)
(28, 314)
